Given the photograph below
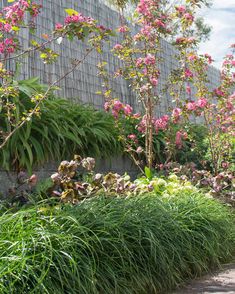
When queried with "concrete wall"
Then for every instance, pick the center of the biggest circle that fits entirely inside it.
(83, 84)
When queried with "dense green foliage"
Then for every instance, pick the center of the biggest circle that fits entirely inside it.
(61, 130)
(141, 244)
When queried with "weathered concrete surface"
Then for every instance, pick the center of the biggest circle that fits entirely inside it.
(221, 282)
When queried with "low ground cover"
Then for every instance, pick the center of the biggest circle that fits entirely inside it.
(136, 244)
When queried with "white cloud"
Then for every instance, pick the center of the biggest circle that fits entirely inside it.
(221, 17)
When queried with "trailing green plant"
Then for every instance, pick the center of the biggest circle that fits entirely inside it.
(61, 129)
(142, 244)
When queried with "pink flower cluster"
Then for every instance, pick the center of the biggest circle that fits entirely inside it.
(192, 57)
(145, 7)
(185, 41)
(117, 108)
(123, 29)
(133, 138)
(188, 17)
(188, 73)
(176, 114)
(218, 92)
(7, 46)
(78, 18)
(209, 58)
(161, 123)
(200, 104)
(118, 47)
(180, 9)
(146, 30)
(14, 13)
(178, 139)
(149, 59)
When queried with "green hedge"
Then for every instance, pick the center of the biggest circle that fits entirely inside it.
(142, 244)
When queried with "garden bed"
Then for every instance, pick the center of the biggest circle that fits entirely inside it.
(142, 244)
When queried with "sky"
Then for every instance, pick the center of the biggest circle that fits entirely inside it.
(221, 16)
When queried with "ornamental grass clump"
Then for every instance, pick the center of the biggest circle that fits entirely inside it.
(143, 244)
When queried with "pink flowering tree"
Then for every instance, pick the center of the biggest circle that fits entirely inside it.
(188, 83)
(139, 55)
(21, 15)
(193, 97)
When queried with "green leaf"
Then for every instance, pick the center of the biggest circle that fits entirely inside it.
(15, 28)
(148, 173)
(71, 12)
(10, 1)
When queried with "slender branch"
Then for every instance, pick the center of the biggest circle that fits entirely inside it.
(75, 65)
(29, 50)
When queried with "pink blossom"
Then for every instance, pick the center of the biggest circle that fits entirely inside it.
(188, 90)
(176, 113)
(136, 115)
(123, 29)
(106, 106)
(139, 150)
(159, 23)
(149, 59)
(132, 137)
(128, 109)
(7, 27)
(139, 62)
(185, 41)
(202, 102)
(189, 16)
(144, 7)
(114, 113)
(142, 125)
(10, 50)
(188, 73)
(2, 47)
(146, 30)
(144, 88)
(145, 71)
(59, 26)
(154, 81)
(191, 106)
(229, 105)
(209, 58)
(219, 92)
(33, 180)
(192, 57)
(161, 123)
(117, 105)
(181, 8)
(118, 47)
(178, 140)
(9, 41)
(137, 37)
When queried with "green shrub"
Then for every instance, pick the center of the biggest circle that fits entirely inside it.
(113, 245)
(61, 130)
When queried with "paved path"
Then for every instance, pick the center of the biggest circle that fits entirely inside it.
(221, 282)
